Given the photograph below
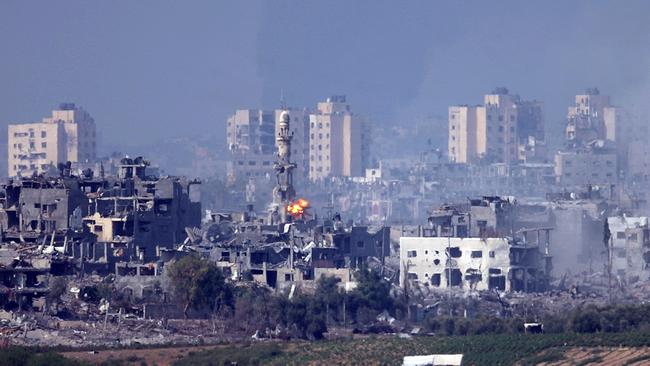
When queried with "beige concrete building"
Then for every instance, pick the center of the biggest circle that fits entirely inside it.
(250, 134)
(338, 141)
(463, 130)
(579, 168)
(596, 143)
(504, 129)
(593, 118)
(68, 135)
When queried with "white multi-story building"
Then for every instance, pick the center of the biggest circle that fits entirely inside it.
(471, 263)
(68, 135)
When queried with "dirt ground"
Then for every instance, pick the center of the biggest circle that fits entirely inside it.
(604, 356)
(152, 356)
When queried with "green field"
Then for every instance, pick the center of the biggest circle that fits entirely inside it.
(478, 350)
(506, 349)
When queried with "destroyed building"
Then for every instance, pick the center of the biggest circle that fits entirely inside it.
(137, 215)
(475, 247)
(302, 250)
(629, 248)
(88, 223)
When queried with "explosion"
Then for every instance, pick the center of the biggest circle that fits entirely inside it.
(297, 208)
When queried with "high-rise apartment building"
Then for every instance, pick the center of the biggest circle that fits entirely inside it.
(505, 129)
(593, 118)
(250, 134)
(68, 135)
(338, 140)
(595, 142)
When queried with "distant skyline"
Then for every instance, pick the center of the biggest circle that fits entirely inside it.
(150, 70)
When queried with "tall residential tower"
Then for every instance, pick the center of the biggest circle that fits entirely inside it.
(68, 135)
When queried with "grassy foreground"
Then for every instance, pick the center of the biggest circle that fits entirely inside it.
(505, 349)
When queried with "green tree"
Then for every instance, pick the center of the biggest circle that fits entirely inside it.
(198, 284)
(57, 286)
(371, 297)
(331, 296)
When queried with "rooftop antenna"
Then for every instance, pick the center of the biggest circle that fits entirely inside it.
(282, 103)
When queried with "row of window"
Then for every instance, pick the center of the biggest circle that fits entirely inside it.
(320, 136)
(254, 163)
(455, 252)
(31, 166)
(320, 125)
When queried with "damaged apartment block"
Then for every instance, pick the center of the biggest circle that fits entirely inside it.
(476, 246)
(67, 224)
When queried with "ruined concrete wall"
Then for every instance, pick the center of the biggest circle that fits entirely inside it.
(47, 207)
(475, 263)
(628, 242)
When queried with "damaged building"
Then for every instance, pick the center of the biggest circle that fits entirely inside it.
(90, 223)
(475, 246)
(629, 248)
(138, 214)
(302, 250)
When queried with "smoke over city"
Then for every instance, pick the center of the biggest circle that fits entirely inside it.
(324, 182)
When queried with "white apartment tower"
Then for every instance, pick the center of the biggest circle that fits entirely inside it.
(338, 141)
(68, 135)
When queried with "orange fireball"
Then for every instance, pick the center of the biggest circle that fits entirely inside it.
(297, 208)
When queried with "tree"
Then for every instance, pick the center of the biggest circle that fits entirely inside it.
(329, 293)
(198, 284)
(58, 286)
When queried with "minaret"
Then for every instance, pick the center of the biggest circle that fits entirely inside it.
(283, 193)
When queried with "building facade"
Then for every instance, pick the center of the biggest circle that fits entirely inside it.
(630, 248)
(595, 142)
(68, 135)
(251, 137)
(338, 141)
(579, 168)
(505, 129)
(477, 246)
(592, 118)
(250, 134)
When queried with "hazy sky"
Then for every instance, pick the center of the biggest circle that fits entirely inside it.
(157, 69)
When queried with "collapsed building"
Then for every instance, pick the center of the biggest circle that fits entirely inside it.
(138, 215)
(92, 224)
(475, 246)
(283, 254)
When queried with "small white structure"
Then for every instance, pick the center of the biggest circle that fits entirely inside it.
(434, 360)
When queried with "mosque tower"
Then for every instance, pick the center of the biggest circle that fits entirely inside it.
(283, 193)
